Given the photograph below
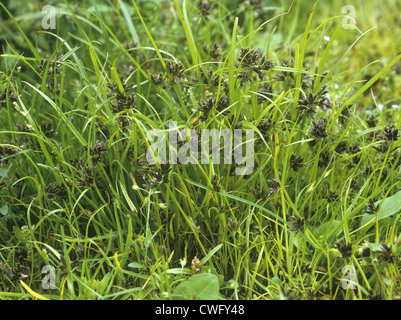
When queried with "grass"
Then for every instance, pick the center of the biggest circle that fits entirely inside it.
(77, 105)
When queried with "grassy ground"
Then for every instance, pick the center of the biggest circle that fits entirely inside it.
(318, 217)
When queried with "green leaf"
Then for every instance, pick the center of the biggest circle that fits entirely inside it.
(18, 234)
(325, 228)
(232, 284)
(179, 271)
(61, 115)
(3, 173)
(212, 270)
(274, 215)
(210, 254)
(375, 246)
(334, 253)
(136, 265)
(204, 286)
(116, 78)
(231, 66)
(27, 41)
(4, 210)
(371, 82)
(128, 21)
(186, 25)
(390, 206)
(275, 282)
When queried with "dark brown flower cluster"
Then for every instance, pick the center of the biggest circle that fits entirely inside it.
(103, 128)
(344, 248)
(6, 152)
(371, 121)
(297, 224)
(345, 113)
(205, 7)
(176, 70)
(355, 150)
(157, 175)
(264, 93)
(342, 146)
(324, 159)
(98, 151)
(122, 100)
(264, 126)
(259, 193)
(215, 50)
(282, 76)
(389, 134)
(22, 127)
(386, 254)
(156, 78)
(206, 106)
(355, 186)
(332, 197)
(308, 104)
(296, 163)
(85, 175)
(318, 130)
(19, 272)
(274, 186)
(232, 225)
(371, 208)
(53, 72)
(215, 181)
(7, 96)
(211, 79)
(252, 61)
(55, 191)
(47, 130)
(256, 4)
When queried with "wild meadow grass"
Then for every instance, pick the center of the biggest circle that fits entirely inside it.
(317, 218)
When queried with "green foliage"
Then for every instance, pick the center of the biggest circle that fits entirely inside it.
(204, 286)
(77, 105)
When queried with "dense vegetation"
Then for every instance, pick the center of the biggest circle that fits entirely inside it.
(79, 196)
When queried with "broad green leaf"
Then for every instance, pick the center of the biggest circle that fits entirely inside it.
(390, 206)
(4, 210)
(204, 286)
(276, 282)
(212, 270)
(3, 173)
(334, 253)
